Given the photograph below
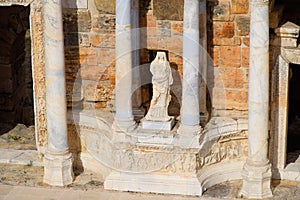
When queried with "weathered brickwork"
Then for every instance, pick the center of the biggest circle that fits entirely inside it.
(228, 44)
(90, 46)
(90, 54)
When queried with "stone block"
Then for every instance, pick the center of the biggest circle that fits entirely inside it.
(223, 29)
(172, 44)
(230, 56)
(242, 25)
(164, 28)
(153, 183)
(158, 125)
(94, 91)
(76, 39)
(153, 138)
(104, 23)
(215, 55)
(77, 21)
(236, 100)
(106, 57)
(87, 56)
(75, 4)
(150, 20)
(245, 57)
(102, 40)
(240, 6)
(168, 9)
(246, 41)
(221, 12)
(235, 41)
(106, 6)
(229, 78)
(94, 73)
(176, 27)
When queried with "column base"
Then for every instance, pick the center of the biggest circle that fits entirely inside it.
(138, 112)
(58, 169)
(124, 125)
(256, 181)
(189, 135)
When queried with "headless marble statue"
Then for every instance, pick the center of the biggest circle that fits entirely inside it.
(161, 80)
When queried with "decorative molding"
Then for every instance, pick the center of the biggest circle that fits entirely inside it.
(15, 2)
(291, 55)
(260, 2)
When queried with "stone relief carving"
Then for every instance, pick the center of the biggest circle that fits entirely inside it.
(161, 80)
(228, 147)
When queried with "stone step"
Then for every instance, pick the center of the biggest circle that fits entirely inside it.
(21, 157)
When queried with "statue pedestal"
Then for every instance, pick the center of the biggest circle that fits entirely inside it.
(158, 125)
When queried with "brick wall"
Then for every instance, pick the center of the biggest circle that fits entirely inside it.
(90, 50)
(228, 40)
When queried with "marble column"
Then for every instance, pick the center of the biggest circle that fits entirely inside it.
(257, 169)
(123, 121)
(189, 126)
(58, 160)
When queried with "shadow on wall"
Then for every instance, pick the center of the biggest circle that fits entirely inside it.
(73, 41)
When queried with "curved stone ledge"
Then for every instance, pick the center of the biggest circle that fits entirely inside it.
(221, 172)
(221, 126)
(161, 166)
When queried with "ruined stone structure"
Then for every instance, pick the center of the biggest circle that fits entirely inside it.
(234, 66)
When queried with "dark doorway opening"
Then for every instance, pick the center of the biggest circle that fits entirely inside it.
(16, 85)
(293, 136)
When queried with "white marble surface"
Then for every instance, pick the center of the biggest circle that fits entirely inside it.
(55, 77)
(57, 160)
(158, 125)
(124, 116)
(162, 79)
(191, 69)
(257, 171)
(21, 157)
(153, 183)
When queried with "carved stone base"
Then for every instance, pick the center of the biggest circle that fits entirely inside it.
(256, 181)
(188, 135)
(124, 125)
(157, 125)
(153, 183)
(58, 169)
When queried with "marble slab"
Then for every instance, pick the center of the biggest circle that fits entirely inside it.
(158, 125)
